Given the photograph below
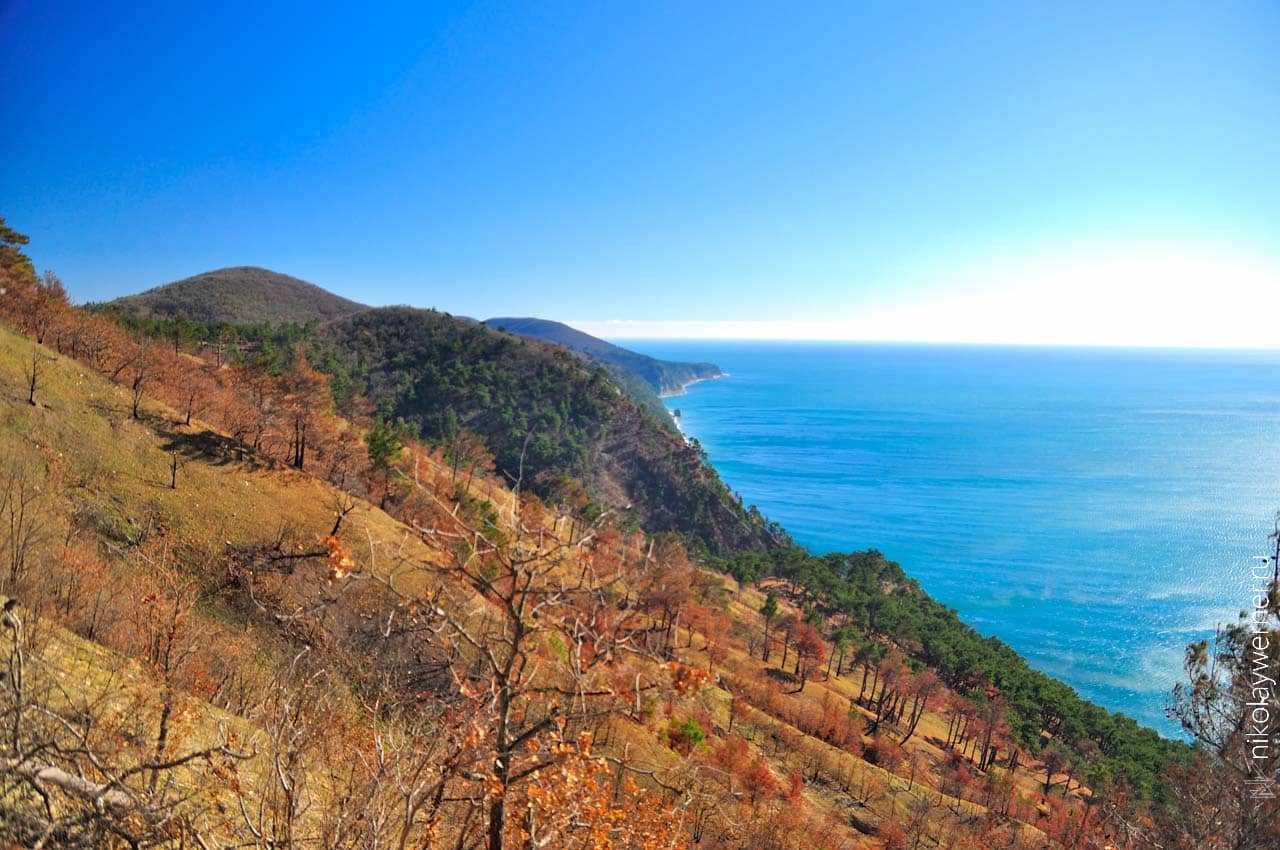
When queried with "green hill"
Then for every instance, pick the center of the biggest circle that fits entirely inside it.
(547, 416)
(240, 295)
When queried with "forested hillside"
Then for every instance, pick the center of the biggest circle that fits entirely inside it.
(551, 421)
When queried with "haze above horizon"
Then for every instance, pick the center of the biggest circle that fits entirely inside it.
(991, 172)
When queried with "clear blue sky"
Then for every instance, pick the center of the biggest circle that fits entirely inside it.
(652, 162)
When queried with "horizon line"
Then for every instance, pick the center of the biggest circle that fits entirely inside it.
(723, 331)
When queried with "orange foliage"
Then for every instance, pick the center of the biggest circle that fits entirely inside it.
(576, 804)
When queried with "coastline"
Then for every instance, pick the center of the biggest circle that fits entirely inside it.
(684, 388)
(848, 452)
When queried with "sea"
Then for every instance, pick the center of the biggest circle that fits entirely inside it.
(1096, 509)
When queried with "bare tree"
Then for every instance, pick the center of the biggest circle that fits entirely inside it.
(23, 521)
(33, 375)
(537, 588)
(1227, 796)
(142, 368)
(70, 776)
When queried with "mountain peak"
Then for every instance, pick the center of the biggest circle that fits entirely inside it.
(240, 295)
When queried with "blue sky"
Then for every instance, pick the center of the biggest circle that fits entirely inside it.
(1071, 172)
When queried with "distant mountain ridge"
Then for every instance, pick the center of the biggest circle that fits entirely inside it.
(664, 377)
(239, 295)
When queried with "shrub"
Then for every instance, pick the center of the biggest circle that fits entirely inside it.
(684, 735)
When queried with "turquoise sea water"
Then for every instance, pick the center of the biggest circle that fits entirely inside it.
(1095, 508)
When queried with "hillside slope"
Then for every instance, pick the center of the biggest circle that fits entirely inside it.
(244, 670)
(546, 416)
(284, 666)
(664, 377)
(240, 295)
